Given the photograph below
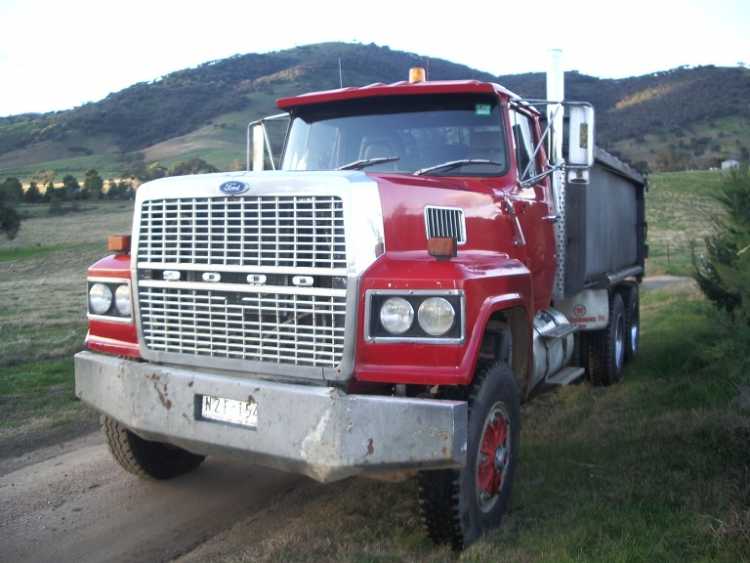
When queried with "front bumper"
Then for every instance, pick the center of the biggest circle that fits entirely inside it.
(318, 431)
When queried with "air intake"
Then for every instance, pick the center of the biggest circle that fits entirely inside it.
(445, 222)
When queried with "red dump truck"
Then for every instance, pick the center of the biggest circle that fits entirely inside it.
(419, 259)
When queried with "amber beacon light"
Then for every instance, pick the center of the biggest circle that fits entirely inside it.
(417, 74)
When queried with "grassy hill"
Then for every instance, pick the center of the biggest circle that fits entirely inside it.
(668, 120)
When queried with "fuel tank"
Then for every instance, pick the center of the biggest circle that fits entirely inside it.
(553, 343)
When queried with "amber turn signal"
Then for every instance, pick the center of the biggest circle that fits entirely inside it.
(119, 244)
(442, 248)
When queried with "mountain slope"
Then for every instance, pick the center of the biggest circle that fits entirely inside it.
(203, 111)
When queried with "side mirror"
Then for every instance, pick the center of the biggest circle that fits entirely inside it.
(580, 136)
(259, 147)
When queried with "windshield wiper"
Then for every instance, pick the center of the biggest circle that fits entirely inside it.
(455, 164)
(365, 162)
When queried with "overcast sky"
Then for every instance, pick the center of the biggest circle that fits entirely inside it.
(56, 54)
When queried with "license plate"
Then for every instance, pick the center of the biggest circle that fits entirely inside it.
(244, 413)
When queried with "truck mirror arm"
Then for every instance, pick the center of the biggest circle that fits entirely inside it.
(528, 182)
(266, 142)
(537, 149)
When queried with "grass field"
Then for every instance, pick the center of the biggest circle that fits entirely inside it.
(680, 211)
(43, 319)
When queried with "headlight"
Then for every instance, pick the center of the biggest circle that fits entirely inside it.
(100, 298)
(436, 316)
(122, 300)
(396, 315)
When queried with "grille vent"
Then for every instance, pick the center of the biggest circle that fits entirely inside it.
(445, 222)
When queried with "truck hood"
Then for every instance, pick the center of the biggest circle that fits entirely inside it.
(382, 211)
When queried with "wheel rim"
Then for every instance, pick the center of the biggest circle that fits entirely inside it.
(493, 459)
(634, 336)
(619, 343)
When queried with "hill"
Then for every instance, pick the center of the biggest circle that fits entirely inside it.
(686, 117)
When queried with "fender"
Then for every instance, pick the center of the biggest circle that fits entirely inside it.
(117, 338)
(491, 282)
(513, 309)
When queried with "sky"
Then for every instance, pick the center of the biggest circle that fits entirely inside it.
(57, 54)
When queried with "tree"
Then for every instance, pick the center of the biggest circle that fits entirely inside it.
(93, 184)
(113, 190)
(10, 222)
(71, 188)
(12, 189)
(193, 166)
(49, 190)
(32, 195)
(724, 273)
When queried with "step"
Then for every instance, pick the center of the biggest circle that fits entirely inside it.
(565, 376)
(559, 331)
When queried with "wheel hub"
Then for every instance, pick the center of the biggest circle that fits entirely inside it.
(619, 343)
(494, 457)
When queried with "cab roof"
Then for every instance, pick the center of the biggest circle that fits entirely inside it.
(397, 89)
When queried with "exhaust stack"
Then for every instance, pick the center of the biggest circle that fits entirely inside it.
(555, 112)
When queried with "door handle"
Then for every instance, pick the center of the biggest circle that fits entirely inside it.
(551, 218)
(519, 239)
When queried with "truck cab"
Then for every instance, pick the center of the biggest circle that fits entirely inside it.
(377, 303)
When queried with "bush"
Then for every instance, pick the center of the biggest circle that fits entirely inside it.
(723, 274)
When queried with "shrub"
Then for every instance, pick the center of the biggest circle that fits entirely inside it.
(723, 274)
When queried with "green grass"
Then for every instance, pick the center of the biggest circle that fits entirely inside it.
(656, 468)
(107, 164)
(26, 252)
(36, 389)
(680, 210)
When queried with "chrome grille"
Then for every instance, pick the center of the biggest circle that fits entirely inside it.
(282, 231)
(445, 222)
(218, 244)
(298, 329)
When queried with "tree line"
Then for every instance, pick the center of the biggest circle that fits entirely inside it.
(93, 188)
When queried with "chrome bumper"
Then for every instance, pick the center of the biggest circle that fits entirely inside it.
(318, 431)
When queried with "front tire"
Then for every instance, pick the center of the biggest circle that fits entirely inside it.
(458, 506)
(146, 459)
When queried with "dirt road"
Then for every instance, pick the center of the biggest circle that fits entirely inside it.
(72, 503)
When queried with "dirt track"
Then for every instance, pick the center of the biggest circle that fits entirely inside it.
(72, 503)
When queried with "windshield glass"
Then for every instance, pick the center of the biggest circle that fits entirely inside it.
(400, 134)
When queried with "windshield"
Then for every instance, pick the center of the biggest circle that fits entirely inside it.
(400, 134)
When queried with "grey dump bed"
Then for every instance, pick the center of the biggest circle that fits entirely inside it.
(606, 226)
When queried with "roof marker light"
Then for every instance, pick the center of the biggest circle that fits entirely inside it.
(417, 74)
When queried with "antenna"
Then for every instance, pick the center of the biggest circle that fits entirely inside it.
(341, 76)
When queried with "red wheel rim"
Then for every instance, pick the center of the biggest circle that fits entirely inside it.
(493, 457)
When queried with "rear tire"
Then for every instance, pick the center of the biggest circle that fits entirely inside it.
(632, 322)
(606, 348)
(146, 459)
(458, 506)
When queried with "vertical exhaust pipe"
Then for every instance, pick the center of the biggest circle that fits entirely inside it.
(555, 112)
(555, 115)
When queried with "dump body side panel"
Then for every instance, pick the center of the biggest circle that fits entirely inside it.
(605, 224)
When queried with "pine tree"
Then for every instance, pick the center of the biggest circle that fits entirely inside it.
(723, 274)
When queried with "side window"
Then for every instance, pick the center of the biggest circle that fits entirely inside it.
(523, 139)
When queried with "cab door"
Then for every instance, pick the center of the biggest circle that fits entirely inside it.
(534, 207)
